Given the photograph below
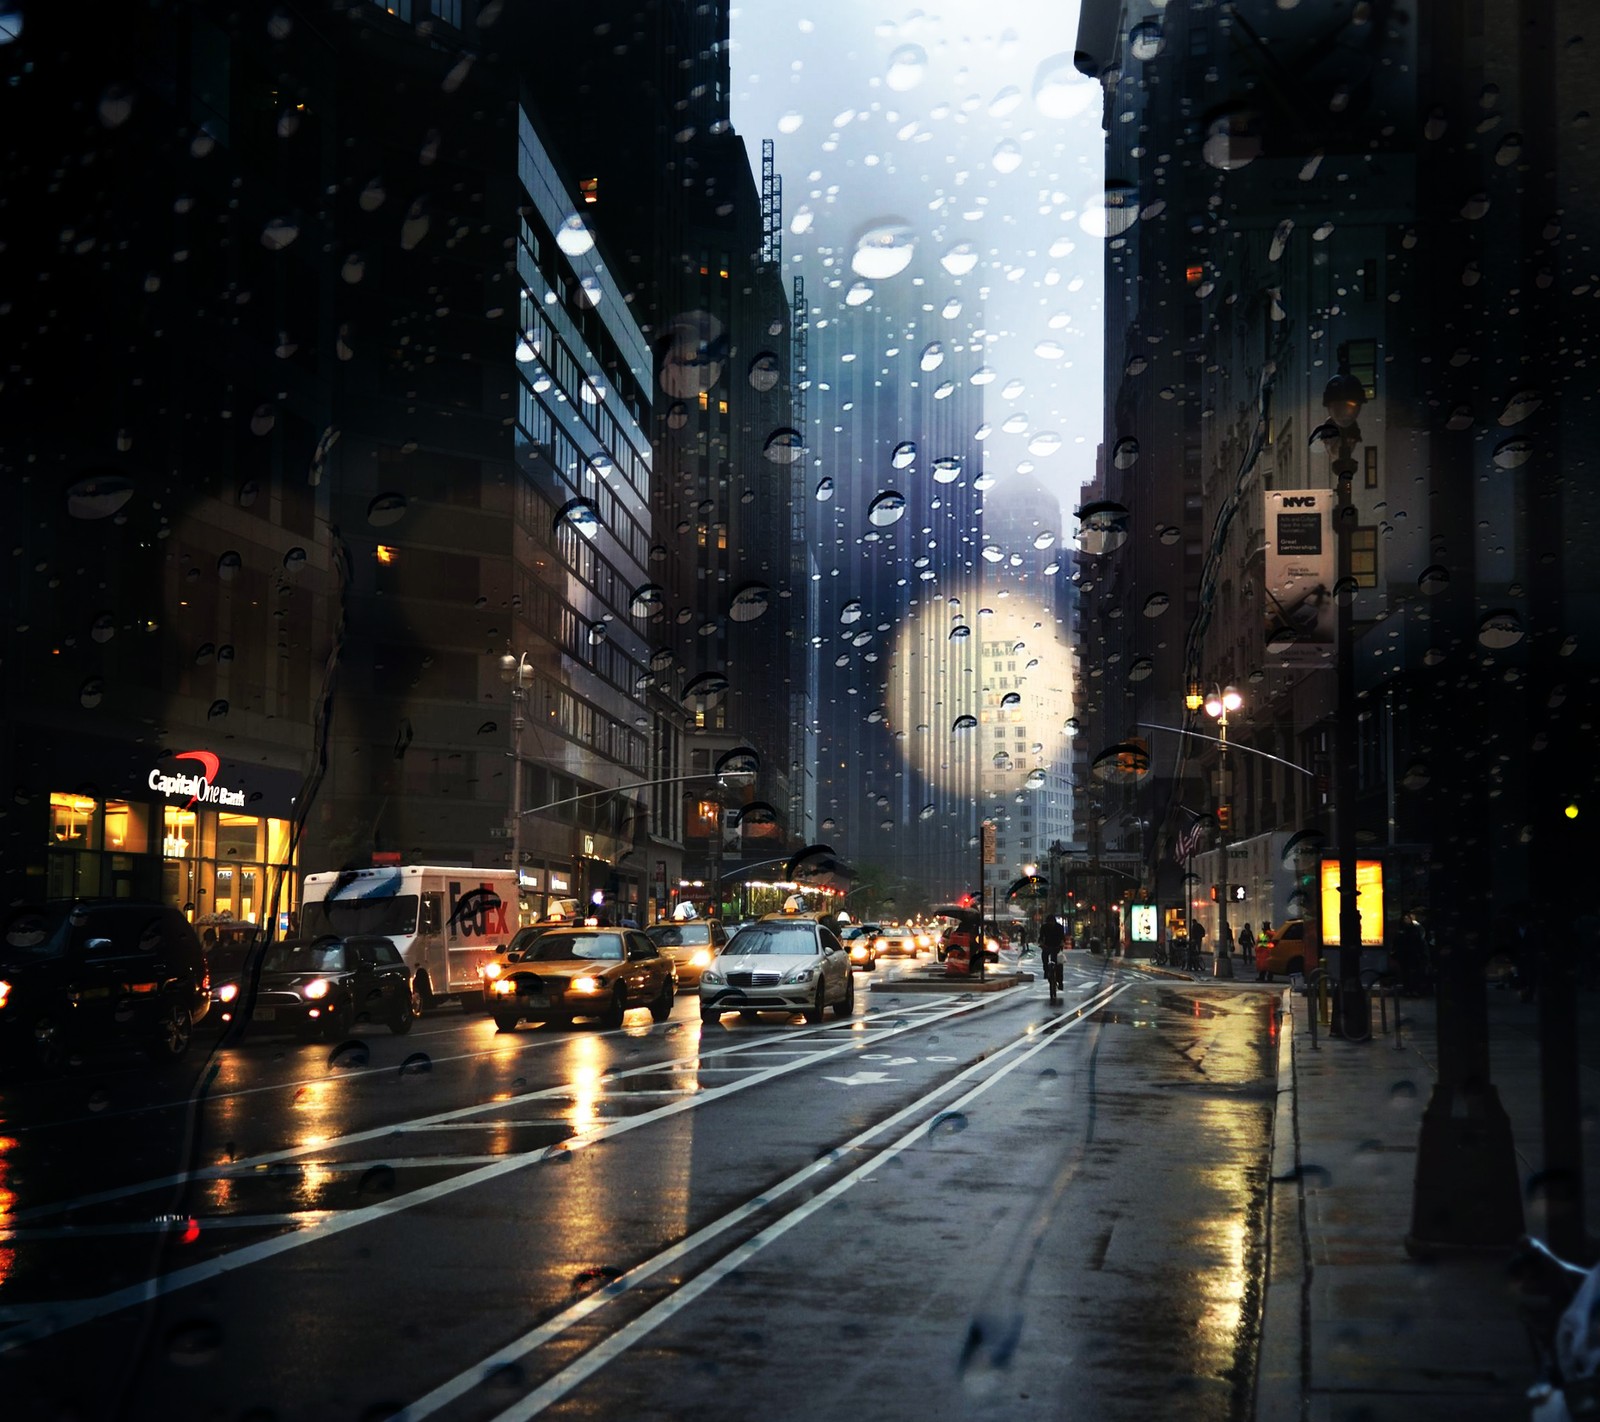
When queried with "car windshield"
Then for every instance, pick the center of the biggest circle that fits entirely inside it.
(777, 940)
(577, 948)
(306, 958)
(524, 939)
(678, 935)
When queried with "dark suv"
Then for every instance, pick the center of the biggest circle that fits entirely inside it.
(86, 973)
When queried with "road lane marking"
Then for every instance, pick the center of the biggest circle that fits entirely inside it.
(863, 1078)
(30, 1322)
(1029, 1043)
(693, 1062)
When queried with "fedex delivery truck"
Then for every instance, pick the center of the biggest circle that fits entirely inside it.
(446, 922)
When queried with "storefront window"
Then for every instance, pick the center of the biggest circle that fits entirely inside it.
(127, 827)
(73, 822)
(178, 837)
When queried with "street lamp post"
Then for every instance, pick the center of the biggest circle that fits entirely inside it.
(1342, 399)
(1217, 705)
(517, 673)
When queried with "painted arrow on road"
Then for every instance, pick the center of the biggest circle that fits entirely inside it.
(862, 1078)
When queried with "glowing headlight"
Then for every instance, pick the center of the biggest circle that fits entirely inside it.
(800, 975)
(492, 970)
(316, 988)
(505, 985)
(882, 943)
(5, 992)
(586, 984)
(711, 975)
(858, 950)
(701, 958)
(228, 991)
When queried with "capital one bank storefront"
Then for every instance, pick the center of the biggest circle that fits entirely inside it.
(190, 827)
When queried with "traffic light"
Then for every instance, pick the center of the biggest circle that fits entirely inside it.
(1224, 815)
(1216, 892)
(1236, 893)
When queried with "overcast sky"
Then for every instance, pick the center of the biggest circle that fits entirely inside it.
(968, 127)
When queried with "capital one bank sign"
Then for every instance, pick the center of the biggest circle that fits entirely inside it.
(200, 789)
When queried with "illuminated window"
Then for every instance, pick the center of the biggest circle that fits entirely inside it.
(127, 827)
(1370, 478)
(707, 817)
(1364, 556)
(72, 821)
(589, 189)
(178, 833)
(705, 400)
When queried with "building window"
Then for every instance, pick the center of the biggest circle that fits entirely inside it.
(1370, 474)
(1363, 359)
(1364, 556)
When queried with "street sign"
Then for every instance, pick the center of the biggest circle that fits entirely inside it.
(499, 832)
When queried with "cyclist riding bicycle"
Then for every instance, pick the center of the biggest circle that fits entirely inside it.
(1052, 939)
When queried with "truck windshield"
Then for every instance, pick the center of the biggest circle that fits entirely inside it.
(342, 918)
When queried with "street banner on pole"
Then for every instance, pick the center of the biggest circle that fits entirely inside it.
(1301, 558)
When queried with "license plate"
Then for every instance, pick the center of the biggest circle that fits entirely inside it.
(264, 1014)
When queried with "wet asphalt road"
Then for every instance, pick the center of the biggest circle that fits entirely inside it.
(969, 1206)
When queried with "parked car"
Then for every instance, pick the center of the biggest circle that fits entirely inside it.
(324, 986)
(780, 963)
(895, 943)
(86, 973)
(691, 945)
(584, 972)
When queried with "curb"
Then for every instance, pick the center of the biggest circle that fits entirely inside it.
(1281, 1361)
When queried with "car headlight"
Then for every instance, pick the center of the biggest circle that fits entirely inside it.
(586, 984)
(5, 992)
(701, 958)
(226, 993)
(492, 970)
(505, 985)
(882, 943)
(316, 989)
(711, 975)
(858, 950)
(800, 975)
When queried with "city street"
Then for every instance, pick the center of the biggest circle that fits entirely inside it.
(970, 1204)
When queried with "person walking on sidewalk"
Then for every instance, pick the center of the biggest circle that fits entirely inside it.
(1247, 944)
(1197, 943)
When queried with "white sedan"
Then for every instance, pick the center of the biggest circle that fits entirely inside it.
(781, 963)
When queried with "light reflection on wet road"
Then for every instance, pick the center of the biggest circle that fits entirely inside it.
(1113, 1180)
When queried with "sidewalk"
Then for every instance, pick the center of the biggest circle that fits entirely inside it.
(1356, 1330)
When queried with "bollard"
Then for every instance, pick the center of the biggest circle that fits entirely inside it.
(1383, 1007)
(1313, 1012)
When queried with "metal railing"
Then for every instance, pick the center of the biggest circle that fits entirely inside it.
(1316, 986)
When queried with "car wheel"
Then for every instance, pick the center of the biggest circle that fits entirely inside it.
(173, 1033)
(422, 999)
(615, 1011)
(846, 1005)
(506, 1021)
(709, 1014)
(401, 1022)
(661, 1008)
(817, 1008)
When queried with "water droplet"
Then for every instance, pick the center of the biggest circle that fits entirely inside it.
(573, 237)
(578, 515)
(648, 601)
(1034, 781)
(1060, 91)
(932, 356)
(947, 469)
(1111, 212)
(888, 508)
(1500, 629)
(194, 1342)
(1102, 527)
(294, 561)
(964, 723)
(228, 565)
(824, 490)
(91, 693)
(705, 692)
(908, 67)
(99, 496)
(349, 1055)
(784, 446)
(749, 602)
(1007, 156)
(386, 509)
(947, 1123)
(416, 1064)
(1145, 40)
(1520, 406)
(927, 812)
(883, 250)
(1233, 139)
(1156, 604)
(959, 631)
(376, 1180)
(415, 226)
(850, 612)
(1416, 776)
(859, 294)
(1513, 453)
(959, 259)
(765, 371)
(279, 233)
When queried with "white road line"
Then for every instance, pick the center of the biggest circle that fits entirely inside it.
(29, 1322)
(563, 1382)
(692, 1062)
